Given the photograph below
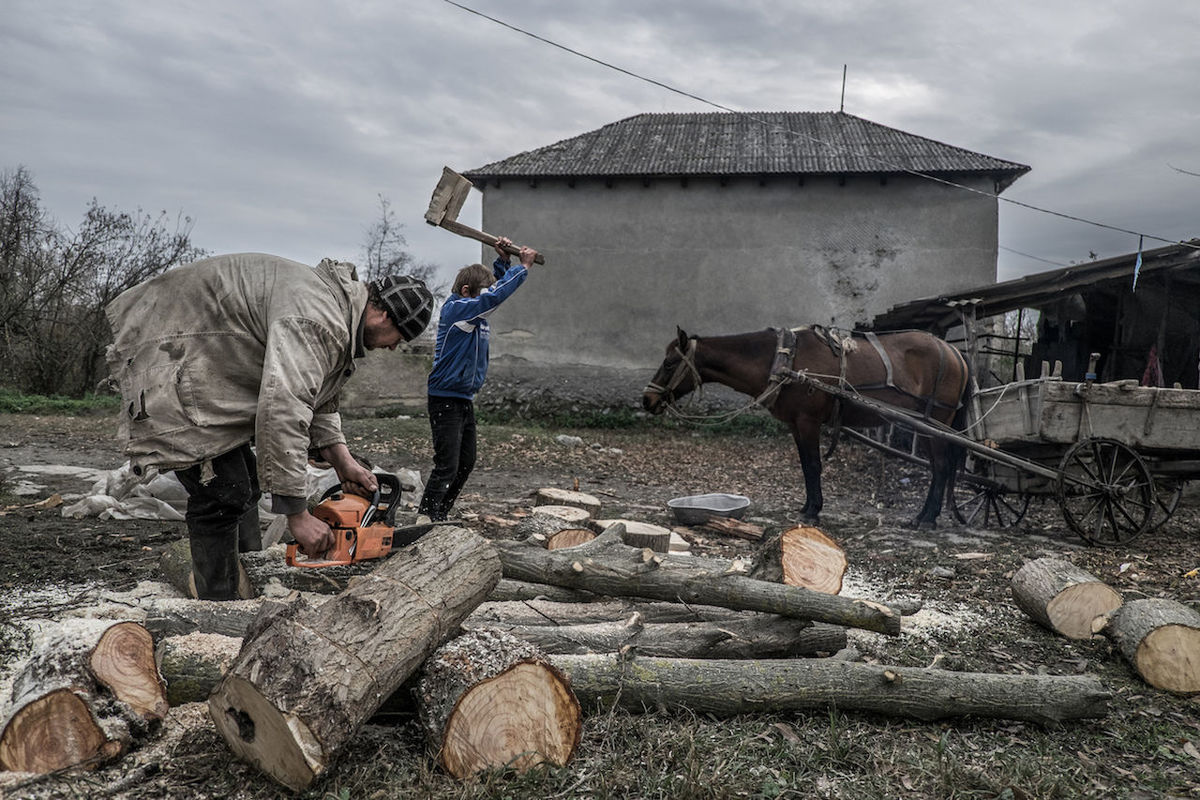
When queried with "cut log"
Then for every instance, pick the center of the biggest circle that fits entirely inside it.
(1062, 597)
(548, 524)
(571, 514)
(752, 636)
(728, 526)
(607, 566)
(178, 616)
(193, 664)
(512, 590)
(643, 534)
(549, 612)
(89, 691)
(307, 679)
(565, 497)
(566, 537)
(1160, 639)
(726, 688)
(487, 699)
(802, 556)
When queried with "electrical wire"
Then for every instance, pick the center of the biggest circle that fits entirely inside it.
(882, 161)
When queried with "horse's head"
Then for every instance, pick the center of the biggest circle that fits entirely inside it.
(676, 376)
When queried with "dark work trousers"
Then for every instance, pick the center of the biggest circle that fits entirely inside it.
(452, 421)
(222, 520)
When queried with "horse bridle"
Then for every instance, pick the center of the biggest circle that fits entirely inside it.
(685, 367)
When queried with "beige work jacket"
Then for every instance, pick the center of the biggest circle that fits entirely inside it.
(237, 347)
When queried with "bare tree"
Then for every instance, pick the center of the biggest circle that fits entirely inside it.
(385, 252)
(55, 283)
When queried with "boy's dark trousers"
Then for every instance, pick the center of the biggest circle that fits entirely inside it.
(222, 520)
(452, 421)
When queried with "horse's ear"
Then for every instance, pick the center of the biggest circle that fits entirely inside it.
(683, 338)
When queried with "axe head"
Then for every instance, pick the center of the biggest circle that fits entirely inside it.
(448, 197)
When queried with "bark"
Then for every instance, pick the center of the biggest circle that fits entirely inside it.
(89, 691)
(753, 636)
(732, 527)
(1062, 597)
(727, 688)
(642, 534)
(802, 556)
(606, 566)
(194, 663)
(306, 679)
(548, 612)
(1161, 640)
(176, 616)
(487, 699)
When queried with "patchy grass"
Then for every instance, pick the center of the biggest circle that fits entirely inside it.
(16, 403)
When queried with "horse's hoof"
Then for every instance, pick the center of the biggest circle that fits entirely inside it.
(920, 525)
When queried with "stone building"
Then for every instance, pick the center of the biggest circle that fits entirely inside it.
(723, 223)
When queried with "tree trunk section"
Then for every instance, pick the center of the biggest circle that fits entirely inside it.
(548, 612)
(643, 534)
(727, 688)
(306, 679)
(802, 556)
(754, 636)
(1062, 597)
(88, 692)
(513, 590)
(487, 699)
(1161, 639)
(606, 566)
(194, 663)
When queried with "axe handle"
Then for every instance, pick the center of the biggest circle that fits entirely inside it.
(486, 238)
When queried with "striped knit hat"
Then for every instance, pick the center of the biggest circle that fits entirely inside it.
(407, 301)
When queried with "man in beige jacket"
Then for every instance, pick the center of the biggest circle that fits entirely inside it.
(249, 348)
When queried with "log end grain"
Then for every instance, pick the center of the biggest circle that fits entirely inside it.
(262, 735)
(1073, 611)
(811, 559)
(55, 731)
(523, 717)
(1169, 658)
(564, 497)
(569, 537)
(123, 660)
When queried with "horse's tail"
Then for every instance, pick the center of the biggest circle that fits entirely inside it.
(959, 423)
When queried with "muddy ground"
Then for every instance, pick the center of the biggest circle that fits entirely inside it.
(1146, 747)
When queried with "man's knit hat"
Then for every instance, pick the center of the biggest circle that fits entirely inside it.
(407, 301)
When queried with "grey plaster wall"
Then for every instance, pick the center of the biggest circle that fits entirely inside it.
(630, 261)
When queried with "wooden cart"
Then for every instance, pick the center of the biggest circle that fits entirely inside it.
(1115, 456)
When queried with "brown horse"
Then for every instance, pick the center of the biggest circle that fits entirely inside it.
(911, 370)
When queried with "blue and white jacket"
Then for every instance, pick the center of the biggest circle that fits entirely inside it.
(460, 357)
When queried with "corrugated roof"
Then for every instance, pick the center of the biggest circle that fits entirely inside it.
(1182, 261)
(767, 143)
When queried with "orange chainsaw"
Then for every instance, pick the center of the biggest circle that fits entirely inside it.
(360, 530)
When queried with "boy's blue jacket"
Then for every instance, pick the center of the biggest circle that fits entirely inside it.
(460, 357)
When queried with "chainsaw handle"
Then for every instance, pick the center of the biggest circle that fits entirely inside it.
(390, 498)
(291, 560)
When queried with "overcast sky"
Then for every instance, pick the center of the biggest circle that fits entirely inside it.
(276, 126)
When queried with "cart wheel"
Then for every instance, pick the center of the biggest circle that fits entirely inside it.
(1105, 491)
(1167, 494)
(979, 500)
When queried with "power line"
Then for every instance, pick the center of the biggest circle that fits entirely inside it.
(785, 129)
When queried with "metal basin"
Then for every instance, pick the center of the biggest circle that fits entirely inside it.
(697, 509)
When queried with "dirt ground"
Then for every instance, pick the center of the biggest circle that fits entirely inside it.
(1146, 747)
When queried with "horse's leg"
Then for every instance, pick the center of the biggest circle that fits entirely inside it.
(943, 461)
(807, 436)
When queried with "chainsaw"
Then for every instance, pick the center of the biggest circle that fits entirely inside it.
(362, 528)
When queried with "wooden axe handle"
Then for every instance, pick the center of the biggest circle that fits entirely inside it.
(486, 238)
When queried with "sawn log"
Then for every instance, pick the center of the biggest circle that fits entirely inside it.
(727, 688)
(307, 679)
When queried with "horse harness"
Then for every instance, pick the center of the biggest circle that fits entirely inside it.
(782, 373)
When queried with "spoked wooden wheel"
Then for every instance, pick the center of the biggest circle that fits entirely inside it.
(1106, 492)
(1167, 494)
(981, 500)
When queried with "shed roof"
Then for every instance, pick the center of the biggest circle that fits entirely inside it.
(766, 143)
(1180, 261)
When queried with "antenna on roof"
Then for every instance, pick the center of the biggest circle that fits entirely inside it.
(843, 106)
